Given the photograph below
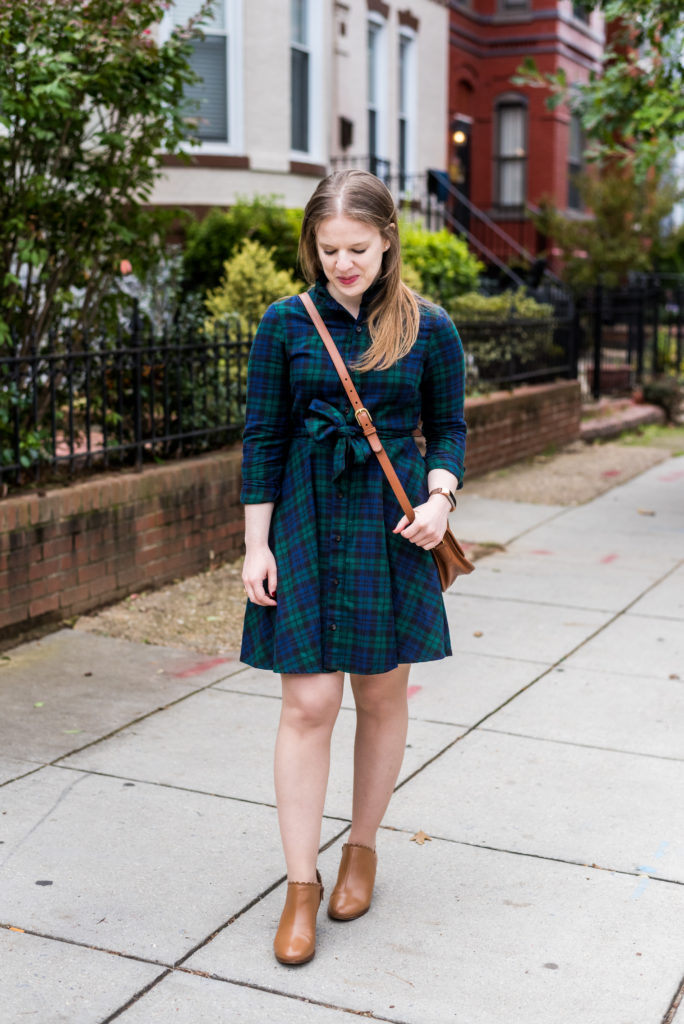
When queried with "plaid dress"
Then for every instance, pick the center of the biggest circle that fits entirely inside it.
(351, 595)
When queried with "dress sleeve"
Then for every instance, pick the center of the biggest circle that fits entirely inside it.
(443, 393)
(268, 423)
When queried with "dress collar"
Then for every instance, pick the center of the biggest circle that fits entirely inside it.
(324, 299)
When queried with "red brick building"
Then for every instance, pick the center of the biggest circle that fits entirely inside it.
(506, 150)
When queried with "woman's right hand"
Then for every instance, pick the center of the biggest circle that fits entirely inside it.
(260, 565)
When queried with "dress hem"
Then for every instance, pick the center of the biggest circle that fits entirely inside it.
(256, 663)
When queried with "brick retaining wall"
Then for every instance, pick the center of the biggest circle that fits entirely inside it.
(74, 548)
(71, 549)
(505, 426)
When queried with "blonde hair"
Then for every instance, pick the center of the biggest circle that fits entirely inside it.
(393, 315)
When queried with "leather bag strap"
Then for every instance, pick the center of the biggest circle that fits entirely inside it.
(363, 417)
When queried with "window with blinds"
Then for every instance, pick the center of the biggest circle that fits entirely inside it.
(511, 153)
(210, 60)
(300, 76)
(405, 134)
(377, 163)
(575, 162)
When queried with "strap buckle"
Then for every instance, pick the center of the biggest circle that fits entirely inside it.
(357, 413)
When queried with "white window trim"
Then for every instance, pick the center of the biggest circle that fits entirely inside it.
(381, 106)
(314, 154)
(412, 106)
(235, 146)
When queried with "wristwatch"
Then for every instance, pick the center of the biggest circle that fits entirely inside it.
(447, 494)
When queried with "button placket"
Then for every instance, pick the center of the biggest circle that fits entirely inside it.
(334, 624)
(336, 563)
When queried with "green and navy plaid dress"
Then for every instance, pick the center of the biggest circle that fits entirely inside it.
(351, 595)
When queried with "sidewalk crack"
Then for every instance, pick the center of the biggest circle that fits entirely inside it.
(40, 821)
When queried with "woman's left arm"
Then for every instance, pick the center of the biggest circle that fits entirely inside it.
(444, 427)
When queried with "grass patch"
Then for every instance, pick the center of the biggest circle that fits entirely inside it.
(656, 435)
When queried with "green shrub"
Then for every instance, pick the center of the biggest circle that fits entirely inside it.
(505, 334)
(444, 263)
(251, 281)
(473, 306)
(668, 393)
(218, 237)
(411, 278)
(33, 441)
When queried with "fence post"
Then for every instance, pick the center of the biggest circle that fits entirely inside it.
(574, 341)
(428, 200)
(640, 338)
(15, 392)
(70, 386)
(655, 292)
(137, 383)
(680, 325)
(598, 313)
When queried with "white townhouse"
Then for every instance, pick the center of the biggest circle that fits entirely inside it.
(294, 88)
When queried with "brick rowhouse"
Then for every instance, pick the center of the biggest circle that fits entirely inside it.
(505, 148)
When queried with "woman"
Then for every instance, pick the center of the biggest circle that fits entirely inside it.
(337, 580)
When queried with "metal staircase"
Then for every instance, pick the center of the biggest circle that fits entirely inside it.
(487, 239)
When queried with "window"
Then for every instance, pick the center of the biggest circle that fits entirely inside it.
(575, 162)
(300, 70)
(511, 152)
(305, 70)
(210, 60)
(378, 164)
(514, 5)
(406, 97)
(580, 12)
(215, 58)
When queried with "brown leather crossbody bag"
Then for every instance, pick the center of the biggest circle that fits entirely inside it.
(449, 556)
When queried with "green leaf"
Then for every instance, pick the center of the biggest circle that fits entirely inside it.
(114, 139)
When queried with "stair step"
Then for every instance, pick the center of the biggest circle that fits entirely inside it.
(627, 417)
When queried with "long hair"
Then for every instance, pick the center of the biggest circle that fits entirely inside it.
(393, 315)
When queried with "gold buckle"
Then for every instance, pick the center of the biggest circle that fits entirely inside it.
(362, 409)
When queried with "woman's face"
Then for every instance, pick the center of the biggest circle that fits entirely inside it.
(350, 252)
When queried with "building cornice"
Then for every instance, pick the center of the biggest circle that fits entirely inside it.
(525, 17)
(520, 45)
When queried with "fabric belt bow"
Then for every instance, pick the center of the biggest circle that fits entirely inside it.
(326, 423)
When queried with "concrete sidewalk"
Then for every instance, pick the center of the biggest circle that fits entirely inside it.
(142, 877)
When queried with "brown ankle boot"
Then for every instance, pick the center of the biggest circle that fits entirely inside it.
(353, 890)
(295, 941)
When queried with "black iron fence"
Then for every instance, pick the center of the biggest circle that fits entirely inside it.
(89, 403)
(518, 350)
(630, 333)
(97, 402)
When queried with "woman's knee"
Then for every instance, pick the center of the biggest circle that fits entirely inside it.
(312, 701)
(381, 694)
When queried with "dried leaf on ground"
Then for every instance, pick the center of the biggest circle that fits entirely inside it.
(421, 838)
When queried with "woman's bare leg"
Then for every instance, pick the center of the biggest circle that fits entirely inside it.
(302, 761)
(381, 724)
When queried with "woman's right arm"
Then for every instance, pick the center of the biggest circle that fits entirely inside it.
(265, 443)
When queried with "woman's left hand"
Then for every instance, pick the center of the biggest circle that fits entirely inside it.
(429, 526)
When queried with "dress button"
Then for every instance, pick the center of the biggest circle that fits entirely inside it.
(333, 627)
(335, 581)
(359, 329)
(340, 494)
(337, 538)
